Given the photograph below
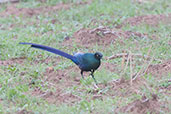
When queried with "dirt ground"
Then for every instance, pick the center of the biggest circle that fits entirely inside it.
(102, 36)
(28, 12)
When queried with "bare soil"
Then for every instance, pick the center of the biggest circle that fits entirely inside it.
(61, 79)
(102, 36)
(152, 20)
(160, 69)
(12, 9)
(12, 61)
(143, 106)
(122, 88)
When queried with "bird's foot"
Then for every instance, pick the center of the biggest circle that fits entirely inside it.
(82, 77)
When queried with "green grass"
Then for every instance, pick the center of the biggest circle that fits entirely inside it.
(15, 79)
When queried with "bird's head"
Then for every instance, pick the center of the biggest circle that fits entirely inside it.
(98, 55)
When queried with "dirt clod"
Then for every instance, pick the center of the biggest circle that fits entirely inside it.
(13, 61)
(28, 12)
(152, 20)
(101, 36)
(160, 69)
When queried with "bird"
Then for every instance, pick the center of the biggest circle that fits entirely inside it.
(87, 62)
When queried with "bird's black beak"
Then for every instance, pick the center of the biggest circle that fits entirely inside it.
(100, 55)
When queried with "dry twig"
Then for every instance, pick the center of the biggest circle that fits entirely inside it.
(133, 55)
(131, 67)
(143, 67)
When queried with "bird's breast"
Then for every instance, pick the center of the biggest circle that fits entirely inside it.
(87, 61)
(90, 66)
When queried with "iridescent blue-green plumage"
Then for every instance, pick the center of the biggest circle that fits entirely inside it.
(85, 61)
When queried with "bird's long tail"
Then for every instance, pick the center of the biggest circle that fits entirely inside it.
(52, 50)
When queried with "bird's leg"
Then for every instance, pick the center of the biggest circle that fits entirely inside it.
(82, 74)
(93, 76)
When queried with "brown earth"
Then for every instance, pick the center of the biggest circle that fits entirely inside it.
(152, 20)
(143, 106)
(160, 69)
(24, 111)
(101, 36)
(12, 61)
(12, 9)
(61, 79)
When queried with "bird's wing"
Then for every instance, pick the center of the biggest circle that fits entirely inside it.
(52, 50)
(79, 57)
(84, 60)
